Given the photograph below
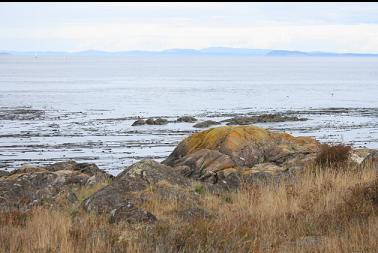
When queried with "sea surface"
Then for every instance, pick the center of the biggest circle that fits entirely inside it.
(59, 108)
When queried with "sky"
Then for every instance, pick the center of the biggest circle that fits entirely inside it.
(336, 27)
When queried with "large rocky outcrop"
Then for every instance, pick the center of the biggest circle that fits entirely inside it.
(122, 197)
(217, 159)
(32, 186)
(241, 151)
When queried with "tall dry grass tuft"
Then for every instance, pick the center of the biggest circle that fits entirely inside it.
(48, 230)
(327, 211)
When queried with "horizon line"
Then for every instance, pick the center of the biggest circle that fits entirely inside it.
(205, 50)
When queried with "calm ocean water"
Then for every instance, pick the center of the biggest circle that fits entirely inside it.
(88, 103)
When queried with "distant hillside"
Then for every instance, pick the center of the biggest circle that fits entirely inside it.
(212, 51)
(218, 51)
(316, 54)
(286, 53)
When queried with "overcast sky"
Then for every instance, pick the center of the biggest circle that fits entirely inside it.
(340, 27)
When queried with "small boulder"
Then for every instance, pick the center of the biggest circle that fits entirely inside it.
(139, 122)
(206, 123)
(150, 121)
(131, 214)
(187, 119)
(160, 121)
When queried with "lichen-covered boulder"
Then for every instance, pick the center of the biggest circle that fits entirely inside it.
(245, 145)
(241, 149)
(31, 186)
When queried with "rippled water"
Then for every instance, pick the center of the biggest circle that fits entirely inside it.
(87, 104)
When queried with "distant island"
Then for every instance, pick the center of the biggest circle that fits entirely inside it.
(211, 51)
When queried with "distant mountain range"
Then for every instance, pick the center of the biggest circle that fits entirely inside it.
(212, 51)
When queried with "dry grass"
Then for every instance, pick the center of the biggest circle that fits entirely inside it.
(326, 211)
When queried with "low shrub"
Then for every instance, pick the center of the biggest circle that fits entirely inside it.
(333, 155)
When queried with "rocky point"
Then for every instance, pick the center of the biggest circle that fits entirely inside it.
(218, 159)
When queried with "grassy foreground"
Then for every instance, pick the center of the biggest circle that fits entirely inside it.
(326, 210)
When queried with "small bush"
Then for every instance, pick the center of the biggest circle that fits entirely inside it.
(333, 155)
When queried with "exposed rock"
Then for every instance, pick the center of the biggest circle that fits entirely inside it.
(239, 152)
(187, 119)
(261, 119)
(147, 172)
(139, 122)
(206, 123)
(245, 145)
(3, 173)
(124, 189)
(160, 121)
(150, 121)
(131, 214)
(31, 186)
(228, 179)
(233, 178)
(371, 160)
(267, 173)
(92, 173)
(204, 164)
(257, 178)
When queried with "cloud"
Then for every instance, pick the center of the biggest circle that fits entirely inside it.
(119, 36)
(146, 26)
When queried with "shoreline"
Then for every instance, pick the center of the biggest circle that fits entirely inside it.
(40, 137)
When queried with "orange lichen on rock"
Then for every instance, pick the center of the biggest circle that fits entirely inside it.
(233, 139)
